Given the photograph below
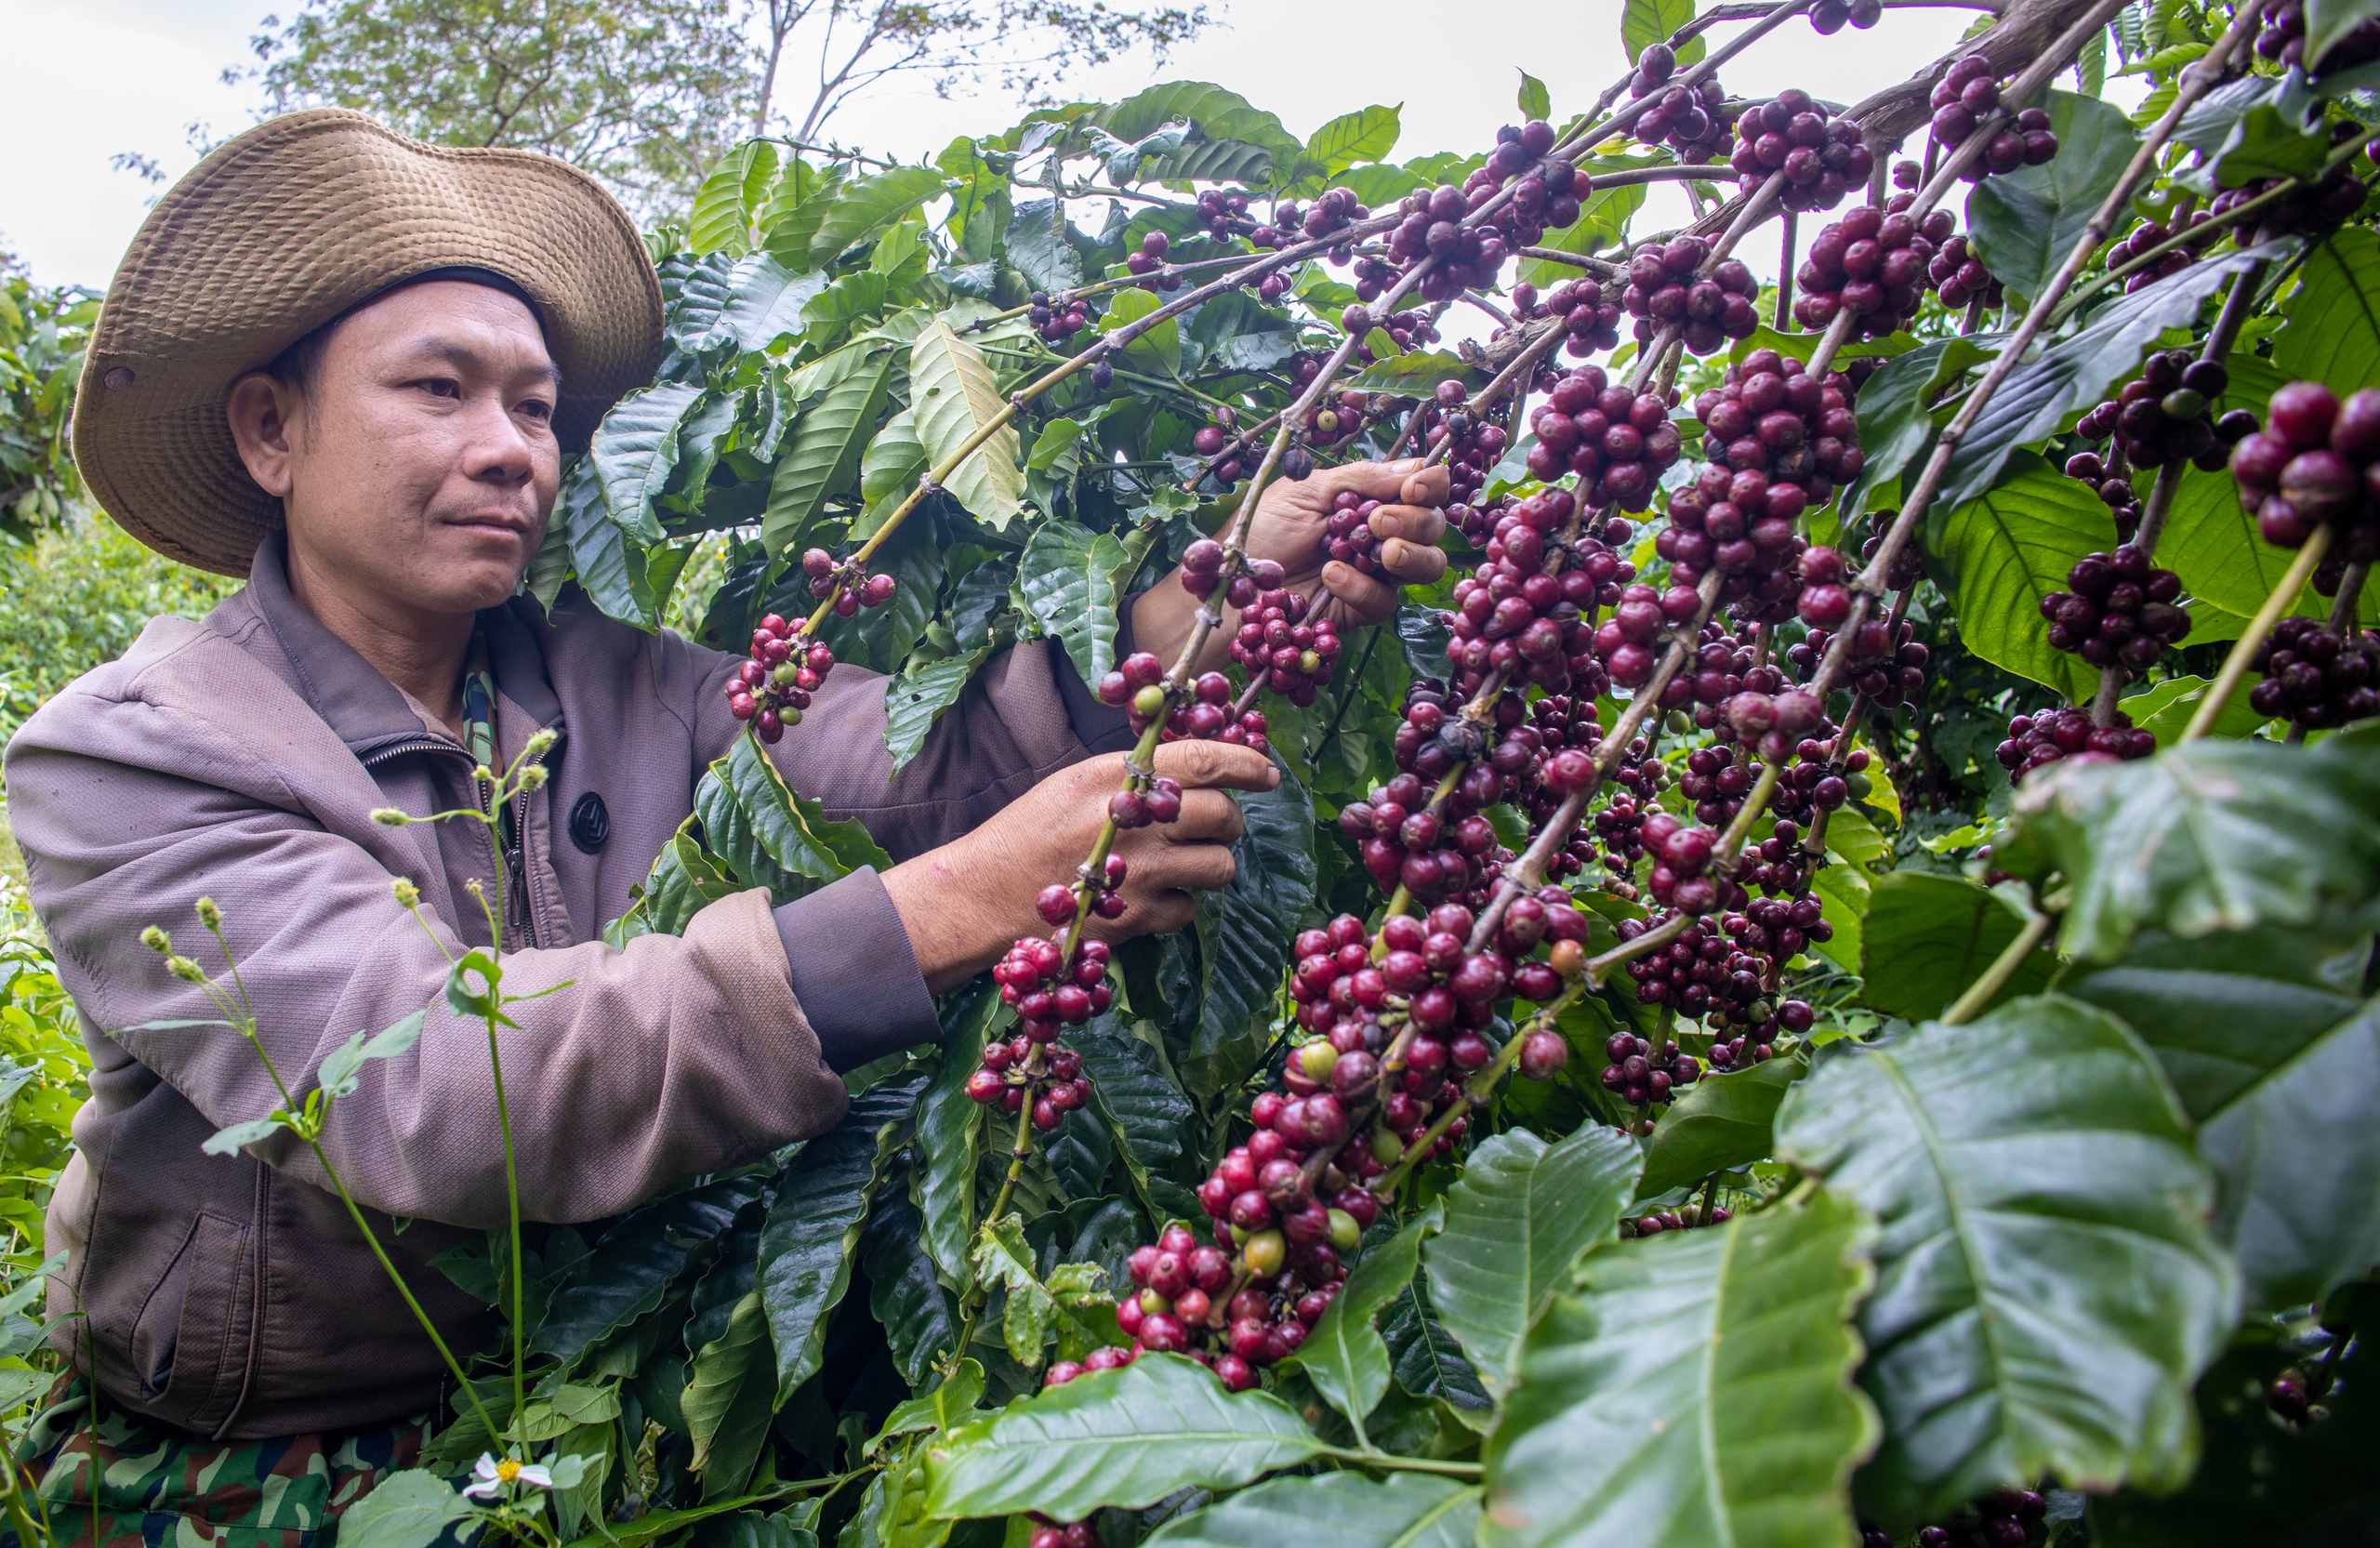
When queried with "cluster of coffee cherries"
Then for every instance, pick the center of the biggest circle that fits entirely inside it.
(1639, 1077)
(1513, 618)
(1471, 442)
(1059, 320)
(2317, 676)
(1433, 852)
(1873, 263)
(1820, 153)
(1062, 1534)
(1966, 95)
(1434, 223)
(1690, 120)
(1589, 316)
(1185, 1303)
(1048, 991)
(2166, 415)
(2303, 209)
(1341, 418)
(771, 688)
(1224, 212)
(1887, 665)
(2121, 611)
(1149, 258)
(2315, 462)
(1826, 19)
(1663, 290)
(1347, 531)
(2282, 38)
(851, 589)
(2068, 735)
(1682, 854)
(1220, 442)
(1057, 904)
(1617, 440)
(1276, 642)
(1960, 278)
(2005, 1518)
(2147, 236)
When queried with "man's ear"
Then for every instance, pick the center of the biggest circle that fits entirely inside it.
(263, 412)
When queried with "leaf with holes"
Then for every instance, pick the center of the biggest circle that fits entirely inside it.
(1719, 1123)
(813, 1229)
(824, 448)
(2076, 372)
(2009, 549)
(1334, 1509)
(2277, 1060)
(1072, 580)
(1125, 1438)
(1696, 1389)
(2046, 1291)
(2024, 223)
(2210, 836)
(955, 398)
(1930, 936)
(1518, 1219)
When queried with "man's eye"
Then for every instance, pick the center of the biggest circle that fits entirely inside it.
(536, 408)
(440, 387)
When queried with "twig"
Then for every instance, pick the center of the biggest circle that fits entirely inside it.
(2243, 649)
(1978, 994)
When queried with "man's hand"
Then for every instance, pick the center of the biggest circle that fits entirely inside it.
(1288, 529)
(966, 902)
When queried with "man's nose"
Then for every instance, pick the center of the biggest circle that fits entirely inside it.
(498, 451)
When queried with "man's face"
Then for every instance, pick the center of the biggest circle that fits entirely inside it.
(417, 465)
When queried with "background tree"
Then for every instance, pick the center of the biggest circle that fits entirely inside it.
(42, 334)
(645, 94)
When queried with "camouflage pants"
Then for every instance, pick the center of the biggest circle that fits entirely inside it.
(128, 1483)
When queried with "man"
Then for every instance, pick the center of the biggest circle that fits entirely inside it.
(349, 366)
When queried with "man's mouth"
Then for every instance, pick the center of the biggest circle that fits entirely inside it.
(490, 524)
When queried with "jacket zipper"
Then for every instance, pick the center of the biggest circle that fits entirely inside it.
(513, 860)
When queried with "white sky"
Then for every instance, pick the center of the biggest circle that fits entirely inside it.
(97, 77)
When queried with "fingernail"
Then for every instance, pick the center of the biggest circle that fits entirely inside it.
(1405, 465)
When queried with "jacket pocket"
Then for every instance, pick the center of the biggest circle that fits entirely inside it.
(191, 1342)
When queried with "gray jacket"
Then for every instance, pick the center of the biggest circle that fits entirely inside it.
(241, 758)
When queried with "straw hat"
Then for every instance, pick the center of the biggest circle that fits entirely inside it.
(285, 229)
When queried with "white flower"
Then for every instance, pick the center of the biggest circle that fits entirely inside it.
(493, 1475)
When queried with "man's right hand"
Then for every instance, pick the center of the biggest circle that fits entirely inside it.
(967, 902)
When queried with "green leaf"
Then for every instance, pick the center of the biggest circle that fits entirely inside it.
(635, 1262)
(1695, 1390)
(954, 395)
(2009, 549)
(1072, 579)
(633, 451)
(1125, 1438)
(682, 882)
(1930, 936)
(866, 207)
(1003, 1260)
(1219, 115)
(2024, 222)
(951, 1137)
(2278, 1064)
(895, 460)
(475, 1004)
(728, 1400)
(947, 1407)
(406, 1509)
(1244, 936)
(342, 1072)
(764, 301)
(1130, 1086)
(229, 1140)
(1719, 1123)
(2076, 372)
(1416, 373)
(1344, 1357)
(2046, 1291)
(1038, 247)
(730, 198)
(920, 1319)
(1897, 419)
(2331, 331)
(753, 821)
(2211, 836)
(814, 1225)
(829, 317)
(1156, 348)
(1367, 134)
(2268, 142)
(823, 450)
(879, 639)
(1518, 1219)
(1534, 101)
(1645, 22)
(2329, 20)
(1334, 1509)
(917, 697)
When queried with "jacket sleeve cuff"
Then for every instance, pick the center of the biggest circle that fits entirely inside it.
(1099, 727)
(854, 974)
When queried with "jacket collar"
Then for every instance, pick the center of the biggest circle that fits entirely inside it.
(364, 708)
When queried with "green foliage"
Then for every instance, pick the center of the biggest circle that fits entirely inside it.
(42, 335)
(2024, 223)
(45, 1071)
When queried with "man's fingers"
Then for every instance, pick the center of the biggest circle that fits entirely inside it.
(1216, 765)
(1366, 598)
(1414, 524)
(1202, 868)
(1205, 814)
(1380, 480)
(1428, 487)
(1414, 563)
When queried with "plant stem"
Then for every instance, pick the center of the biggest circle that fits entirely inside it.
(1402, 1465)
(1019, 1153)
(2243, 649)
(1970, 1005)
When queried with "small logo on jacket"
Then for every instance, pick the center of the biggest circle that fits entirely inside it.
(590, 823)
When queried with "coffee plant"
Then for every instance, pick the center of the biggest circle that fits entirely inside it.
(1797, 996)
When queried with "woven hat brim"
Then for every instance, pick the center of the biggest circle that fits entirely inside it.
(282, 230)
